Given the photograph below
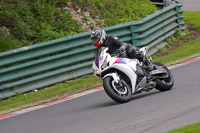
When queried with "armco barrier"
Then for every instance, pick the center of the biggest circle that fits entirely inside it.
(44, 64)
(163, 3)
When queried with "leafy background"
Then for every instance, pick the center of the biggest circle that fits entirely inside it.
(27, 22)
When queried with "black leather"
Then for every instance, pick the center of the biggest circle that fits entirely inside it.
(116, 47)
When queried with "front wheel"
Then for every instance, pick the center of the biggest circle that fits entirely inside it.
(164, 84)
(118, 93)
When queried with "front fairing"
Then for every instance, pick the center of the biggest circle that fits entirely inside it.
(100, 58)
(124, 61)
(125, 65)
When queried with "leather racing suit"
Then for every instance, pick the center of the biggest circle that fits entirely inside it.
(115, 46)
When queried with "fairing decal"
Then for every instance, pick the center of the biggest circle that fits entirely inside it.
(119, 61)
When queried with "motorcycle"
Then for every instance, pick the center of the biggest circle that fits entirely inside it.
(123, 77)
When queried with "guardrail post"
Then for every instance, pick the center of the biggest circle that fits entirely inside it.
(180, 17)
(135, 34)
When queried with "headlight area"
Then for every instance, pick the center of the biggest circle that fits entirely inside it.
(97, 72)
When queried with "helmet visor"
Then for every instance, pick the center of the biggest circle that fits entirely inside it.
(95, 40)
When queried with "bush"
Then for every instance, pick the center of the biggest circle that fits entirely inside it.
(6, 44)
(6, 41)
(46, 35)
(117, 11)
(35, 21)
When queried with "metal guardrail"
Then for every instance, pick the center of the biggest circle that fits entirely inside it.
(44, 64)
(163, 3)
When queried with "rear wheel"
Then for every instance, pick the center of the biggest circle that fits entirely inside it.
(118, 93)
(166, 83)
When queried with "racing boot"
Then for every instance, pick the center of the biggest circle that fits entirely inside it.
(141, 57)
(135, 53)
(148, 64)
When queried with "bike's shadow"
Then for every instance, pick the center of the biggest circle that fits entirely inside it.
(142, 95)
(110, 103)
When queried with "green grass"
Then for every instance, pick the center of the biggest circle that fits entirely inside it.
(184, 52)
(52, 93)
(193, 18)
(195, 128)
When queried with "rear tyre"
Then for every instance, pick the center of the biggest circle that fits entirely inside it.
(164, 84)
(119, 94)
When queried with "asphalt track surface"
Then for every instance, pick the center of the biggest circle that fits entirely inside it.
(152, 112)
(190, 5)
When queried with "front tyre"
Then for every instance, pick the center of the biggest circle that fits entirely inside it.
(121, 94)
(164, 84)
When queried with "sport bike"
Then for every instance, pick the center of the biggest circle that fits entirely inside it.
(123, 77)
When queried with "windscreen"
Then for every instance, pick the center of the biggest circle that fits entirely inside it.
(97, 53)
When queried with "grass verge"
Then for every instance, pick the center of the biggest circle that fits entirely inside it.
(52, 93)
(193, 18)
(195, 128)
(184, 52)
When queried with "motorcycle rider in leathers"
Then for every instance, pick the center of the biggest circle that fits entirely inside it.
(115, 46)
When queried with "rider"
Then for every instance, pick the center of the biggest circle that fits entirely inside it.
(100, 39)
